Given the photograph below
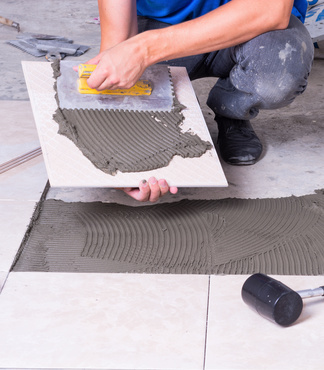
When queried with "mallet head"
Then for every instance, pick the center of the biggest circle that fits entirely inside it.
(272, 299)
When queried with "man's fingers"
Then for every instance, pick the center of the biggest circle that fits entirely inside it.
(155, 189)
(173, 190)
(97, 79)
(107, 85)
(151, 190)
(94, 60)
(164, 187)
(142, 193)
(100, 79)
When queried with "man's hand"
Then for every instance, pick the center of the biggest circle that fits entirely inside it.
(119, 67)
(119, 63)
(150, 190)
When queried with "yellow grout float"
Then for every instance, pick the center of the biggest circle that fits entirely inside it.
(142, 87)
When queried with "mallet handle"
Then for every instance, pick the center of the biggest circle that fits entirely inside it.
(309, 293)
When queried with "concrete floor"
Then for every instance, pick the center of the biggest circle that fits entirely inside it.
(85, 320)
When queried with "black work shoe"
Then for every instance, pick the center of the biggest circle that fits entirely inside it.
(238, 143)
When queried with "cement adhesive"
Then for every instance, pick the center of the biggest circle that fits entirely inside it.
(230, 236)
(128, 140)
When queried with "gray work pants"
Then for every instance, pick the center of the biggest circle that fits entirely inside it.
(267, 72)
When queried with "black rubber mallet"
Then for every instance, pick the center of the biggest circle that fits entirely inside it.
(274, 300)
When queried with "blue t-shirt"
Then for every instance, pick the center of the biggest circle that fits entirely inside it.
(178, 11)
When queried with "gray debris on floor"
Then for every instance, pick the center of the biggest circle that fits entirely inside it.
(51, 46)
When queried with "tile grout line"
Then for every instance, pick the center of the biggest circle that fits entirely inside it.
(206, 330)
(4, 283)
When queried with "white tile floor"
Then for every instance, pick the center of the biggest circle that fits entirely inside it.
(238, 338)
(19, 136)
(103, 321)
(130, 321)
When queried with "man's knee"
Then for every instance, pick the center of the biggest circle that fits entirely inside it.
(276, 90)
(275, 66)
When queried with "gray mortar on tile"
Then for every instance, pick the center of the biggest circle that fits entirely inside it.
(128, 140)
(229, 236)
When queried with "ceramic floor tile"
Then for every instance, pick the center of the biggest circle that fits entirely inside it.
(103, 321)
(68, 167)
(24, 183)
(18, 129)
(14, 219)
(238, 338)
(18, 137)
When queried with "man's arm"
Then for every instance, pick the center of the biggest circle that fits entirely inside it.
(118, 21)
(231, 24)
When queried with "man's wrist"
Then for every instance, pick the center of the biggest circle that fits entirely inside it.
(151, 46)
